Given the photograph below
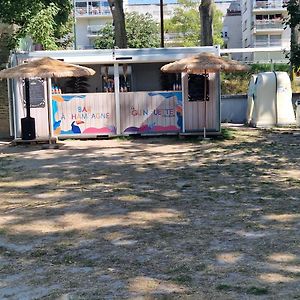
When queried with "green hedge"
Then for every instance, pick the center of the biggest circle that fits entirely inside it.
(237, 82)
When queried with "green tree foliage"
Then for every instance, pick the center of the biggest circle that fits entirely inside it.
(106, 38)
(142, 32)
(293, 8)
(237, 82)
(41, 27)
(53, 16)
(217, 26)
(186, 24)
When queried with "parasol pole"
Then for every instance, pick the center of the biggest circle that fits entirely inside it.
(27, 98)
(49, 108)
(205, 88)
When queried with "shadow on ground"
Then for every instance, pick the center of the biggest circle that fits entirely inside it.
(154, 218)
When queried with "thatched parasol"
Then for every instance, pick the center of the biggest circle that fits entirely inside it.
(204, 63)
(46, 68)
(42, 68)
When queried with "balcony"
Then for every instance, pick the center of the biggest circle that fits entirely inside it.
(268, 26)
(93, 30)
(267, 44)
(270, 5)
(92, 9)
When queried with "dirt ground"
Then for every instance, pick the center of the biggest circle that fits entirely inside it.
(155, 218)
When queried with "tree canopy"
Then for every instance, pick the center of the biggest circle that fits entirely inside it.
(46, 21)
(142, 32)
(293, 8)
(186, 24)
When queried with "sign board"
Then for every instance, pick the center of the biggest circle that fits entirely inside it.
(36, 92)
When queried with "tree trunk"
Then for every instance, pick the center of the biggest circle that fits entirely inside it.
(206, 19)
(116, 7)
(5, 32)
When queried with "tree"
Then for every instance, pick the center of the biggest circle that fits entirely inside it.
(116, 7)
(293, 8)
(185, 23)
(142, 32)
(206, 18)
(26, 14)
(41, 27)
(106, 38)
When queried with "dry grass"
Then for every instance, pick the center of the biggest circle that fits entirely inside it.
(152, 218)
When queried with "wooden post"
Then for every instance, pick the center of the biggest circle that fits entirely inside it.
(117, 97)
(183, 86)
(49, 109)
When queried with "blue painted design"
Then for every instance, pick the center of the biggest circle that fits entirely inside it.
(66, 132)
(178, 96)
(56, 124)
(75, 128)
(167, 95)
(70, 98)
(179, 120)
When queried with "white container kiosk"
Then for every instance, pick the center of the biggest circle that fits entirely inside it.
(127, 95)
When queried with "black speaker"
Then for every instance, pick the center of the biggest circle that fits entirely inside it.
(28, 128)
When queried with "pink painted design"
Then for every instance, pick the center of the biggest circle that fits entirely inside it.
(100, 130)
(155, 128)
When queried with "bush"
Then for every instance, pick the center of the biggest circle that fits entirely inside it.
(237, 83)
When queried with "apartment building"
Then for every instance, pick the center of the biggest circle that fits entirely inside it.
(246, 23)
(262, 26)
(153, 7)
(232, 31)
(90, 17)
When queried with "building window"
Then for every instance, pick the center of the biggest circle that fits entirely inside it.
(268, 40)
(261, 40)
(275, 40)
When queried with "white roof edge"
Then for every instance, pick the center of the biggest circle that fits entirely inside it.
(261, 49)
(120, 55)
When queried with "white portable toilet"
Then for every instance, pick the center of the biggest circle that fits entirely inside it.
(298, 113)
(272, 100)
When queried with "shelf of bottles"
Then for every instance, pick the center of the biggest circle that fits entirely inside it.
(109, 84)
(56, 90)
(176, 86)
